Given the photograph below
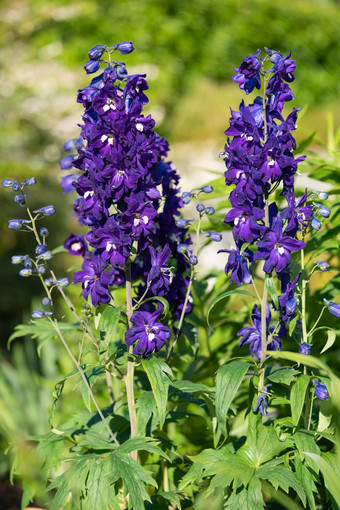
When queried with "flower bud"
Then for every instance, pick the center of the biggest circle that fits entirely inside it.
(41, 269)
(27, 262)
(15, 186)
(67, 162)
(43, 232)
(193, 260)
(92, 66)
(46, 301)
(182, 248)
(7, 183)
(200, 207)
(46, 255)
(182, 222)
(321, 391)
(209, 210)
(97, 51)
(15, 224)
(121, 72)
(63, 282)
(40, 314)
(324, 211)
(41, 248)
(322, 195)
(31, 181)
(215, 236)
(322, 265)
(75, 143)
(18, 259)
(207, 189)
(291, 306)
(333, 307)
(20, 199)
(316, 224)
(48, 210)
(305, 348)
(125, 47)
(186, 197)
(25, 272)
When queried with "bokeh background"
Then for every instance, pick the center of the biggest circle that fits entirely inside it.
(188, 49)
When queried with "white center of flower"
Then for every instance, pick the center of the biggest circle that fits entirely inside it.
(86, 282)
(239, 174)
(103, 138)
(139, 127)
(236, 221)
(137, 89)
(249, 138)
(88, 194)
(76, 246)
(145, 220)
(281, 250)
(151, 336)
(136, 222)
(271, 162)
(110, 105)
(110, 245)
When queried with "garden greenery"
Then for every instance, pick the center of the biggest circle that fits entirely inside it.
(171, 418)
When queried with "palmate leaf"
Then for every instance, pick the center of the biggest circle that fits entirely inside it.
(159, 374)
(306, 478)
(145, 408)
(173, 498)
(280, 476)
(108, 325)
(249, 498)
(228, 380)
(42, 330)
(99, 492)
(72, 480)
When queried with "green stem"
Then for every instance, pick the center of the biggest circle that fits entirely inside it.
(130, 365)
(83, 376)
(313, 328)
(303, 298)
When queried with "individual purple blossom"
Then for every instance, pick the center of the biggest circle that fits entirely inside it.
(20, 200)
(18, 259)
(92, 66)
(41, 248)
(248, 74)
(95, 280)
(67, 182)
(76, 245)
(43, 232)
(237, 264)
(149, 334)
(26, 272)
(252, 335)
(31, 181)
(305, 348)
(209, 210)
(124, 47)
(316, 224)
(46, 301)
(321, 391)
(97, 51)
(67, 162)
(261, 402)
(322, 210)
(275, 248)
(40, 314)
(160, 275)
(206, 189)
(7, 183)
(48, 210)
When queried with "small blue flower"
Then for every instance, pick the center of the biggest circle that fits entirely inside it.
(215, 236)
(15, 186)
(305, 348)
(75, 143)
(41, 269)
(200, 207)
(291, 306)
(17, 224)
(182, 222)
(28, 262)
(322, 195)
(321, 391)
(46, 255)
(209, 210)
(186, 197)
(46, 301)
(41, 248)
(63, 282)
(67, 162)
(20, 199)
(124, 47)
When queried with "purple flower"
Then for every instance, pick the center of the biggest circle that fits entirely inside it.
(252, 334)
(150, 334)
(261, 402)
(31, 181)
(17, 224)
(46, 301)
(76, 245)
(48, 210)
(275, 248)
(68, 181)
(97, 51)
(124, 47)
(7, 183)
(20, 199)
(160, 275)
(305, 348)
(67, 162)
(248, 74)
(95, 280)
(238, 265)
(321, 391)
(316, 224)
(324, 211)
(40, 314)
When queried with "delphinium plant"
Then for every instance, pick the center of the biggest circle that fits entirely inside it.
(288, 437)
(145, 339)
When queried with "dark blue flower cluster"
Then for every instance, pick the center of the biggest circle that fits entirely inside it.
(128, 194)
(259, 157)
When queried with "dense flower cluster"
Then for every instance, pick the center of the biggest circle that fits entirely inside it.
(259, 157)
(128, 194)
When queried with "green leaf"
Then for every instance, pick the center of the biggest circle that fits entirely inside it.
(331, 336)
(330, 469)
(305, 442)
(108, 325)
(191, 334)
(147, 444)
(292, 324)
(145, 408)
(262, 444)
(174, 498)
(228, 380)
(297, 397)
(223, 296)
(99, 493)
(159, 374)
(249, 498)
(269, 282)
(41, 330)
(280, 476)
(72, 480)
(281, 375)
(191, 387)
(133, 475)
(306, 478)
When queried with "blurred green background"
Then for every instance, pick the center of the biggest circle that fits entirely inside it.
(188, 50)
